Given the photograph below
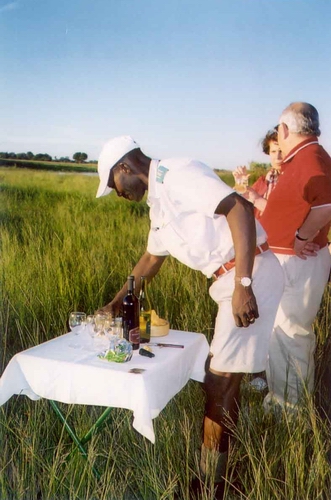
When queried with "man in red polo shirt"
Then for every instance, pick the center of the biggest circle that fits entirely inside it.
(297, 220)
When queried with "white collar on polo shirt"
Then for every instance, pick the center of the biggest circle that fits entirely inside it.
(297, 151)
(152, 188)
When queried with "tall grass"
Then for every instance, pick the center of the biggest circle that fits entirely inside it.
(61, 249)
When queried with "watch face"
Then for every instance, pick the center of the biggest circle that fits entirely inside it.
(246, 281)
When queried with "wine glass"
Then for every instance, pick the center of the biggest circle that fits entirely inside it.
(77, 320)
(241, 176)
(99, 323)
(117, 329)
(109, 325)
(241, 184)
(90, 323)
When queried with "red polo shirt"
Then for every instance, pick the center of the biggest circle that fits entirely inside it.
(304, 183)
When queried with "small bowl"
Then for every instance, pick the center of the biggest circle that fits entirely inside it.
(160, 330)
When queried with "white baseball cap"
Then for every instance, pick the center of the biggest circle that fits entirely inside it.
(111, 153)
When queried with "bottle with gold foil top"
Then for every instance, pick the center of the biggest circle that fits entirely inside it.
(131, 315)
(145, 311)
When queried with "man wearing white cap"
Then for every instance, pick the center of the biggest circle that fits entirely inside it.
(111, 153)
(198, 219)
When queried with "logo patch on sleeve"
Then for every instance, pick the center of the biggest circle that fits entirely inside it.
(160, 173)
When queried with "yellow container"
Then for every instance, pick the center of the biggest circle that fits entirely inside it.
(160, 330)
(159, 326)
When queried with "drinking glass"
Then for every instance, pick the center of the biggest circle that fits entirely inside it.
(77, 320)
(99, 324)
(90, 324)
(118, 327)
(109, 324)
(241, 184)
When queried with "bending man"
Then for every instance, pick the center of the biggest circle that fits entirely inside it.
(202, 222)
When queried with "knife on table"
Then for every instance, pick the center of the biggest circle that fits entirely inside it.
(158, 344)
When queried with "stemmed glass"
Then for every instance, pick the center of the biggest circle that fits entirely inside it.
(117, 329)
(241, 179)
(77, 320)
(90, 323)
(99, 324)
(109, 325)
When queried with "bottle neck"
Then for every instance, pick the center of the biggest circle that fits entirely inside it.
(145, 304)
(142, 287)
(130, 284)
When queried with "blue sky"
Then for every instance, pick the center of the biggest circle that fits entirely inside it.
(198, 78)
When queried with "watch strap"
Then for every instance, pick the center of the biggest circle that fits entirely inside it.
(298, 237)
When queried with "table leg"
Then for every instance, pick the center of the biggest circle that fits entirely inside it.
(95, 427)
(79, 442)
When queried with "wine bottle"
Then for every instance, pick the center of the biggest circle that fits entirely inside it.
(131, 315)
(145, 311)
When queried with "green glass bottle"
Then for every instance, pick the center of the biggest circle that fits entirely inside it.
(145, 312)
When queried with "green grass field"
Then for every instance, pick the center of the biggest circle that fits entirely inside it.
(63, 250)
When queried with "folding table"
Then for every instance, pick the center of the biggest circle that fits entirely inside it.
(67, 369)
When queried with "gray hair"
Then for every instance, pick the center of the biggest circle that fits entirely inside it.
(301, 118)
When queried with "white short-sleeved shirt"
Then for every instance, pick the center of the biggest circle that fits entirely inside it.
(183, 195)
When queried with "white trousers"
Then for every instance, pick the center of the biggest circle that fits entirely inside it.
(292, 344)
(245, 350)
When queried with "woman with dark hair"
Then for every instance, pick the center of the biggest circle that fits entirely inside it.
(259, 192)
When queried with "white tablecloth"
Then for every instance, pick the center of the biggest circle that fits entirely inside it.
(67, 369)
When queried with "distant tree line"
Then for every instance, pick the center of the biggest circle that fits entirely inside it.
(77, 157)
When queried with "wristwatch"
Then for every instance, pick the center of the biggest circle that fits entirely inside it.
(244, 281)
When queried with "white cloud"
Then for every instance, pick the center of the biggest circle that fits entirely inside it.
(9, 6)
